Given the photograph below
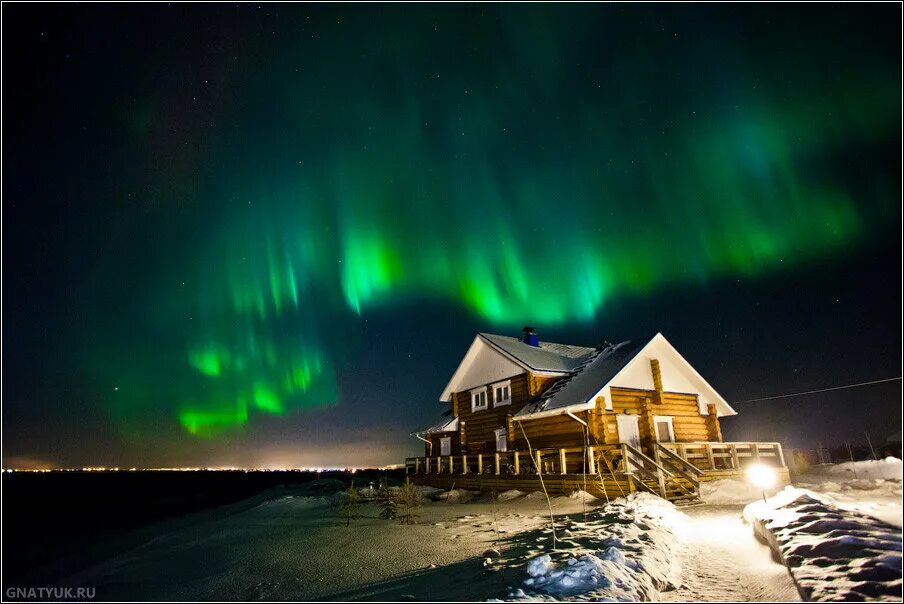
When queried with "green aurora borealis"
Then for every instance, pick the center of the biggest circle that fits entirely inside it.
(302, 167)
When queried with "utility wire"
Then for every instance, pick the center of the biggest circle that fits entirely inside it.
(769, 398)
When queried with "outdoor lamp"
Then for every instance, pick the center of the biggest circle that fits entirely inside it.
(761, 476)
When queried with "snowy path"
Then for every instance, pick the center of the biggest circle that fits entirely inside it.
(722, 561)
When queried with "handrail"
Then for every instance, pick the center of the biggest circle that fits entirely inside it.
(641, 455)
(664, 476)
(679, 460)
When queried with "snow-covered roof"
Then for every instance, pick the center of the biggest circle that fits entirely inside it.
(493, 357)
(597, 370)
(548, 356)
(447, 425)
(615, 366)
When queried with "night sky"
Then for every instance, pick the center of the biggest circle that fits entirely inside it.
(265, 235)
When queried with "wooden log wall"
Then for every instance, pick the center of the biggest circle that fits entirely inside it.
(550, 432)
(480, 426)
(688, 424)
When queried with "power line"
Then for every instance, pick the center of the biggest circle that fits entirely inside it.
(769, 398)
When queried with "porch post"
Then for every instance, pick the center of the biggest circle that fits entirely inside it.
(735, 461)
(710, 457)
(464, 464)
(562, 469)
(480, 463)
(591, 460)
(517, 463)
(781, 454)
(417, 465)
(498, 465)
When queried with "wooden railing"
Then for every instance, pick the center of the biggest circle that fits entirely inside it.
(643, 470)
(727, 456)
(680, 461)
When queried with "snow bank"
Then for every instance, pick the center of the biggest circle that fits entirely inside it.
(729, 491)
(833, 554)
(869, 487)
(454, 496)
(889, 468)
(583, 496)
(510, 495)
(621, 553)
(428, 492)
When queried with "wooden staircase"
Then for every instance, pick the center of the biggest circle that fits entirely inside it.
(665, 474)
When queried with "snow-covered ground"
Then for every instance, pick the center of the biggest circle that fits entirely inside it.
(295, 548)
(869, 487)
(644, 548)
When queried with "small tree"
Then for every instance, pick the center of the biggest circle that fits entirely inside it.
(387, 501)
(348, 507)
(409, 500)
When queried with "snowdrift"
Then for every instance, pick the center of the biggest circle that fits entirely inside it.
(833, 554)
(621, 553)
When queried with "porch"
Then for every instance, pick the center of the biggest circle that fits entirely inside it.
(672, 470)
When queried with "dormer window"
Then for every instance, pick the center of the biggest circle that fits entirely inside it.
(479, 399)
(502, 393)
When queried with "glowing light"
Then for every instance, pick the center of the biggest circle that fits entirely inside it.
(761, 476)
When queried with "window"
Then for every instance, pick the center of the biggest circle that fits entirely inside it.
(501, 440)
(665, 431)
(445, 445)
(478, 400)
(502, 393)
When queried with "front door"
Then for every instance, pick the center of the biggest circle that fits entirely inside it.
(445, 445)
(628, 431)
(501, 440)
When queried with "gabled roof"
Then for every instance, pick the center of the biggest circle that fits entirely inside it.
(548, 356)
(505, 356)
(449, 424)
(598, 370)
(610, 367)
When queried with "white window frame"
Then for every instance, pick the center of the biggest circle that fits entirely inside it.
(475, 395)
(503, 384)
(501, 433)
(668, 419)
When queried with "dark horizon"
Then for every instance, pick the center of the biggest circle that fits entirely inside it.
(248, 237)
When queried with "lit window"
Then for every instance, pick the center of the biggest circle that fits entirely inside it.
(478, 399)
(502, 393)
